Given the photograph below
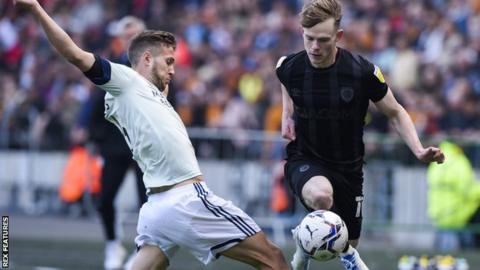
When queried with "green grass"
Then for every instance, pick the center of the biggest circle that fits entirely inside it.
(33, 254)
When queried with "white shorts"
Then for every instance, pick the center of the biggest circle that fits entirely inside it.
(192, 217)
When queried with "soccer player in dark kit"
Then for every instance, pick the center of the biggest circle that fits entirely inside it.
(326, 92)
(181, 211)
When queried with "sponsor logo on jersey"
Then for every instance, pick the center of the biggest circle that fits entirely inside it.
(323, 113)
(295, 92)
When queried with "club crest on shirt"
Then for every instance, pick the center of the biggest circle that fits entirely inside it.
(378, 73)
(346, 93)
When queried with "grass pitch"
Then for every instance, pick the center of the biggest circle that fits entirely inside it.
(76, 254)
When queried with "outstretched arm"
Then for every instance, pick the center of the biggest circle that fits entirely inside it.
(288, 124)
(57, 37)
(404, 126)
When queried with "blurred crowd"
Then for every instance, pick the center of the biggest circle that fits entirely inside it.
(429, 51)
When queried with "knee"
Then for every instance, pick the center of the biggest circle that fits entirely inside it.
(317, 193)
(321, 199)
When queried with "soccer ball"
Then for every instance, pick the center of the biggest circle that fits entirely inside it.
(322, 235)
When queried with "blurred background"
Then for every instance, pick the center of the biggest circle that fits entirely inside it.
(226, 92)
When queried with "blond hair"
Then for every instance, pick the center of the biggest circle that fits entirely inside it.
(317, 11)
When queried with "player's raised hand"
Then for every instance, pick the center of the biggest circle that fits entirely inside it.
(431, 154)
(288, 129)
(27, 4)
(58, 37)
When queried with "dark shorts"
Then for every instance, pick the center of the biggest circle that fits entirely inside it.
(347, 190)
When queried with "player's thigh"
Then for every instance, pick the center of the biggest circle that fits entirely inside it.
(257, 250)
(149, 258)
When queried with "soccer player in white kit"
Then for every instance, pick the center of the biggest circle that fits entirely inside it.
(181, 210)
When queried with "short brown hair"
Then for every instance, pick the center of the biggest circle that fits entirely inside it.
(317, 11)
(149, 39)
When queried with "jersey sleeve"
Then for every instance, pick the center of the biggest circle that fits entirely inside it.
(109, 76)
(373, 81)
(280, 70)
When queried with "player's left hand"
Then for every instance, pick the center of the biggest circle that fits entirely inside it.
(431, 154)
(29, 4)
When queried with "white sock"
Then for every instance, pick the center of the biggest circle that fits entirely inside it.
(300, 261)
(351, 259)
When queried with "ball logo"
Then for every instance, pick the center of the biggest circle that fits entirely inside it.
(304, 168)
(311, 231)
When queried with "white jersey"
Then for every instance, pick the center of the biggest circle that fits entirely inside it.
(153, 130)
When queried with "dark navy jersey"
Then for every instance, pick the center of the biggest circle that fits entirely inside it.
(330, 105)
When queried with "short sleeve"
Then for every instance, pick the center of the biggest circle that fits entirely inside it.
(373, 81)
(280, 70)
(111, 77)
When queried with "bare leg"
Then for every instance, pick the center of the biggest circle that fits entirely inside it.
(257, 251)
(149, 258)
(317, 193)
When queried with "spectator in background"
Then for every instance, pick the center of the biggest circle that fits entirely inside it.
(220, 36)
(453, 199)
(282, 201)
(404, 71)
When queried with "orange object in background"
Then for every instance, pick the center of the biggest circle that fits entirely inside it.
(81, 174)
(279, 199)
